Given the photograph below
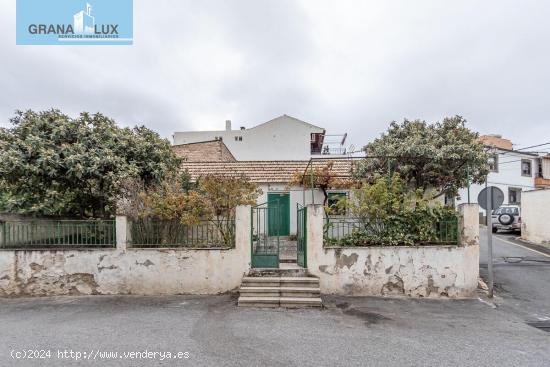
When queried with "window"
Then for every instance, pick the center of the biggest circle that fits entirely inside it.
(526, 167)
(493, 163)
(238, 138)
(514, 196)
(334, 199)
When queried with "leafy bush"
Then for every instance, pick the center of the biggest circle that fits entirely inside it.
(51, 164)
(212, 199)
(390, 214)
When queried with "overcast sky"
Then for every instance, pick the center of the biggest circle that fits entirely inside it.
(349, 66)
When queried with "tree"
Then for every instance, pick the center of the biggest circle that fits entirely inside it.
(389, 213)
(440, 157)
(51, 164)
(323, 178)
(213, 198)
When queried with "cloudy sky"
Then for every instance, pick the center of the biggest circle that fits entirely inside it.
(349, 66)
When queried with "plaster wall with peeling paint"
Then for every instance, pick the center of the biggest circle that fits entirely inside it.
(416, 271)
(127, 271)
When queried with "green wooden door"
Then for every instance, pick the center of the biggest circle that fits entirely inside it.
(279, 224)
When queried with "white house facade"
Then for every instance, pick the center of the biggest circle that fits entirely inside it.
(282, 138)
(511, 171)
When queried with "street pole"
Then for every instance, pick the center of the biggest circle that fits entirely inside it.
(468, 173)
(490, 239)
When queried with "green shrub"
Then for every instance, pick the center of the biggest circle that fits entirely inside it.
(389, 214)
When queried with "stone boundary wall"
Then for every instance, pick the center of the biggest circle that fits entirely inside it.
(415, 271)
(127, 271)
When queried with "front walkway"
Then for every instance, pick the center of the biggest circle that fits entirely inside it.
(348, 332)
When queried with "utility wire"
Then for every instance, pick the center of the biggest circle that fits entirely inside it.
(520, 149)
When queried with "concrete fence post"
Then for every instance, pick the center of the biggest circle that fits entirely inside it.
(243, 231)
(314, 232)
(468, 224)
(121, 226)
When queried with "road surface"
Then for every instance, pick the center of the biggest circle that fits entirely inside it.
(522, 276)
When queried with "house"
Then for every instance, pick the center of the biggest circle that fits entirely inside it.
(269, 154)
(512, 171)
(542, 173)
(273, 178)
(282, 138)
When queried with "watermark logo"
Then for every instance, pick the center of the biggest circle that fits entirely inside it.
(74, 22)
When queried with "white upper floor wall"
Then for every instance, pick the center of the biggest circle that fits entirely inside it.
(512, 172)
(283, 138)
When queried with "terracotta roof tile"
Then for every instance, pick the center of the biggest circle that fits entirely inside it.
(205, 151)
(264, 171)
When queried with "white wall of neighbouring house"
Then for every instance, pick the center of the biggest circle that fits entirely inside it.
(283, 138)
(535, 211)
(509, 176)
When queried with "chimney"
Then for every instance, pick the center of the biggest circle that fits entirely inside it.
(228, 125)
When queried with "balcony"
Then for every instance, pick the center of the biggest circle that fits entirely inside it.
(322, 144)
(328, 150)
(542, 182)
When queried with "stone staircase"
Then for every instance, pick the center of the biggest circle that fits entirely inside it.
(290, 288)
(287, 250)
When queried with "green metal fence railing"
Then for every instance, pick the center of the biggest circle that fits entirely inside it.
(447, 231)
(25, 234)
(207, 234)
(338, 228)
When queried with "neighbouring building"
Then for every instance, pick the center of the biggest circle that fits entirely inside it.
(542, 177)
(273, 178)
(282, 138)
(512, 171)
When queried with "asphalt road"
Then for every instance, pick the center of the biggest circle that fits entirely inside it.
(347, 332)
(214, 332)
(521, 276)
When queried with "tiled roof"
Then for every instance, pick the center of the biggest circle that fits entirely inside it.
(205, 151)
(265, 171)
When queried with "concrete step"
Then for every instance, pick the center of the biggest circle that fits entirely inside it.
(299, 302)
(261, 282)
(286, 270)
(303, 282)
(287, 260)
(288, 302)
(300, 292)
(245, 291)
(296, 292)
(259, 301)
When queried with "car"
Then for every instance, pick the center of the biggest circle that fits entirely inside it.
(506, 217)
